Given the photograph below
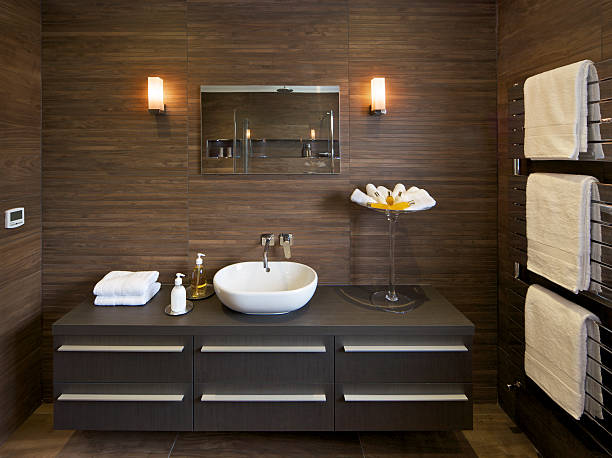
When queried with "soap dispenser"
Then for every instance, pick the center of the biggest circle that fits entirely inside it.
(178, 297)
(198, 278)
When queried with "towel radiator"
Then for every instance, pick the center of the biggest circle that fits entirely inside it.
(514, 279)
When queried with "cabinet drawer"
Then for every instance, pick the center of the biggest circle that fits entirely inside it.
(123, 406)
(248, 407)
(403, 359)
(264, 359)
(403, 406)
(122, 359)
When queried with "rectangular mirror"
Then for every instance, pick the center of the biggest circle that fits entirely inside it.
(270, 129)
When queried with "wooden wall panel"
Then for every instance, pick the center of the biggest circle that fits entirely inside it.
(439, 134)
(534, 37)
(20, 328)
(116, 180)
(294, 43)
(114, 176)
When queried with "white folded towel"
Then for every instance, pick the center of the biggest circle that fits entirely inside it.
(141, 299)
(125, 283)
(421, 198)
(556, 345)
(361, 198)
(559, 228)
(556, 111)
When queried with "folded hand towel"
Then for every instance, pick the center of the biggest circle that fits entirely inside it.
(556, 344)
(125, 283)
(421, 198)
(362, 199)
(556, 109)
(558, 228)
(141, 299)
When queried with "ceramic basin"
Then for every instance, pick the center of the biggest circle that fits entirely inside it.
(246, 287)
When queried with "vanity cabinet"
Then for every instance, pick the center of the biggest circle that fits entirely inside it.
(332, 365)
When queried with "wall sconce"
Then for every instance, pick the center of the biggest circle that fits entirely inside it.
(156, 95)
(312, 134)
(378, 106)
(248, 134)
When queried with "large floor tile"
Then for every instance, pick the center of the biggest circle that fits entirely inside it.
(116, 443)
(286, 445)
(415, 444)
(36, 437)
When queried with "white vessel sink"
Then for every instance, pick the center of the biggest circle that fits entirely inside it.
(246, 287)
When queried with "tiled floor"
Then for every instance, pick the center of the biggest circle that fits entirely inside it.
(492, 436)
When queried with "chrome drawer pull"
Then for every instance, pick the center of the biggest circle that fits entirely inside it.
(262, 349)
(404, 348)
(263, 398)
(123, 348)
(403, 397)
(122, 397)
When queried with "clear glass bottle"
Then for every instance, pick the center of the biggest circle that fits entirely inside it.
(198, 278)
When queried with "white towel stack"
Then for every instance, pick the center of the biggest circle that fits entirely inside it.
(126, 288)
(556, 111)
(556, 347)
(559, 228)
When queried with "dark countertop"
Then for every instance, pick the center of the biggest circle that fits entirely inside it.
(329, 312)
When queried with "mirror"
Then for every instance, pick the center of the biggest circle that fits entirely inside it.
(270, 129)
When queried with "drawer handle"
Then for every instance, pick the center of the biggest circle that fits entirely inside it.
(404, 348)
(263, 398)
(404, 397)
(262, 349)
(123, 348)
(121, 397)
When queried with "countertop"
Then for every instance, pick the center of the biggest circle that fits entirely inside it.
(329, 312)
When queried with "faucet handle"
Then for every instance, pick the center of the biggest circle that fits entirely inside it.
(267, 238)
(286, 240)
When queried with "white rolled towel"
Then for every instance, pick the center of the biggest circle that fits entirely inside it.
(130, 300)
(126, 283)
(361, 198)
(384, 192)
(374, 194)
(398, 191)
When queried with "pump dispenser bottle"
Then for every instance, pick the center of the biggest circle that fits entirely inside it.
(178, 296)
(198, 278)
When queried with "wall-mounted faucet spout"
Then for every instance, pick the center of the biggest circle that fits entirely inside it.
(267, 240)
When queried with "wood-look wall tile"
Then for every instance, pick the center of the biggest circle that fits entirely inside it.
(435, 59)
(20, 186)
(115, 176)
(124, 189)
(534, 37)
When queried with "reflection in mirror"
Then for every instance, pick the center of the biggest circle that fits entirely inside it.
(270, 129)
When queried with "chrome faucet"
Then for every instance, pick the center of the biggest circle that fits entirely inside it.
(267, 240)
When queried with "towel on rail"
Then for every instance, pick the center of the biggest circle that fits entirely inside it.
(556, 348)
(125, 283)
(556, 112)
(141, 299)
(559, 228)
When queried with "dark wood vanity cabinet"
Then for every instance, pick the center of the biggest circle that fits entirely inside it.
(332, 365)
